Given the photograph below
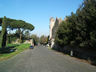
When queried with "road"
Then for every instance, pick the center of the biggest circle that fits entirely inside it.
(42, 59)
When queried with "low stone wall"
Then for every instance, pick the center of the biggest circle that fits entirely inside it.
(76, 52)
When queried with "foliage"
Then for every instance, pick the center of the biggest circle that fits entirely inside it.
(18, 24)
(43, 40)
(35, 38)
(4, 33)
(12, 37)
(80, 28)
(27, 34)
(21, 26)
(62, 34)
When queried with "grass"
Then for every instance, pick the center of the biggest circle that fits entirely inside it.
(49, 48)
(12, 45)
(19, 49)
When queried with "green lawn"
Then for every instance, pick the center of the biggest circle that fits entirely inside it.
(19, 48)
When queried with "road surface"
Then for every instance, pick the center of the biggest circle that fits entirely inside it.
(41, 59)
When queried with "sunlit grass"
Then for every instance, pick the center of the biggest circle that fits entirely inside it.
(19, 48)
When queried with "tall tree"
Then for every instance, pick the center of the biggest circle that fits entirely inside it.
(17, 24)
(21, 26)
(4, 33)
(80, 28)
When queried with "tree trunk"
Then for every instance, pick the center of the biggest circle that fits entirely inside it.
(20, 38)
(4, 33)
(20, 35)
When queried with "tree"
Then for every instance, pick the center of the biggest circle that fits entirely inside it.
(14, 24)
(21, 26)
(87, 22)
(80, 28)
(27, 34)
(62, 36)
(3, 33)
(43, 40)
(35, 39)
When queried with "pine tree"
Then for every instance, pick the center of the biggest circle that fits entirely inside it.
(3, 33)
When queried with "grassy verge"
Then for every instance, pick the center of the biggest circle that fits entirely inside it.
(19, 48)
(49, 48)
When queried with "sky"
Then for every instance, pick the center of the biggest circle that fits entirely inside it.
(38, 12)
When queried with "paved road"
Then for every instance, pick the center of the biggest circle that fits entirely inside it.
(40, 59)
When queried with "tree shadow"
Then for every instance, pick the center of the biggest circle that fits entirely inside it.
(8, 49)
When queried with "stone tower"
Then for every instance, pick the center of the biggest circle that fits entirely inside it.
(54, 24)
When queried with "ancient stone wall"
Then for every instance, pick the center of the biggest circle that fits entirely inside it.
(54, 24)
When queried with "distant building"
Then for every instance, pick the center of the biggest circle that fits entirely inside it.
(54, 23)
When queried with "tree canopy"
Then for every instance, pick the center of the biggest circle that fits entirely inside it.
(13, 24)
(43, 40)
(80, 28)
